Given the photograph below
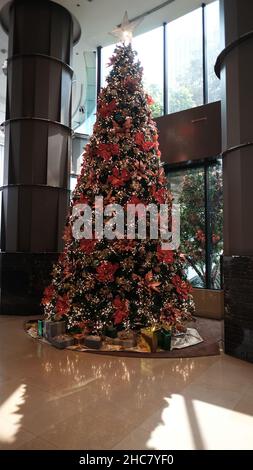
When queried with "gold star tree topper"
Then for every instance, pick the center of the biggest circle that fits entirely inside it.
(125, 31)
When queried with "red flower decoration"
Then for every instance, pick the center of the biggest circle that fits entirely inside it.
(107, 150)
(139, 138)
(147, 146)
(159, 194)
(176, 280)
(140, 141)
(122, 308)
(106, 271)
(115, 149)
(119, 303)
(182, 287)
(62, 305)
(150, 282)
(150, 100)
(81, 200)
(200, 236)
(165, 256)
(119, 316)
(134, 200)
(161, 176)
(87, 246)
(130, 84)
(107, 109)
(104, 151)
(48, 295)
(118, 178)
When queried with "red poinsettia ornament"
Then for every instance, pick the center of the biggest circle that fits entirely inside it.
(106, 271)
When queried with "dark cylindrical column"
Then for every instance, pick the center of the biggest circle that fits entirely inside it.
(236, 70)
(34, 196)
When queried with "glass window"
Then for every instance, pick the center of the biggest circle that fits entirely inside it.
(73, 181)
(212, 15)
(185, 63)
(188, 188)
(106, 54)
(149, 47)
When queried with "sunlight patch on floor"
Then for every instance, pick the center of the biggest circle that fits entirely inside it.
(10, 418)
(193, 424)
(168, 434)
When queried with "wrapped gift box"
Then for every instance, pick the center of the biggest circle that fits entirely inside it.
(62, 341)
(126, 343)
(164, 339)
(149, 336)
(125, 339)
(40, 327)
(54, 328)
(93, 342)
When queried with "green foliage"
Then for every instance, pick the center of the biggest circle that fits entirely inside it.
(181, 98)
(187, 94)
(156, 93)
(192, 206)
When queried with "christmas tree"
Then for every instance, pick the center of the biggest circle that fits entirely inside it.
(127, 283)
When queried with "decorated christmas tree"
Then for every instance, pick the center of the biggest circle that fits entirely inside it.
(126, 282)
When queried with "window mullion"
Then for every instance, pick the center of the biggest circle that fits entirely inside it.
(165, 70)
(208, 232)
(204, 55)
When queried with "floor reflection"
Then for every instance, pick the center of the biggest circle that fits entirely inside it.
(68, 400)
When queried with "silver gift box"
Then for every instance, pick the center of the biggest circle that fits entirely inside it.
(54, 328)
(62, 341)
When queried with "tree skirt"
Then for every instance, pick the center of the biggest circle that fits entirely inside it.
(189, 344)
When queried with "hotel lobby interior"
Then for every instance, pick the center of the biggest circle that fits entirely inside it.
(123, 344)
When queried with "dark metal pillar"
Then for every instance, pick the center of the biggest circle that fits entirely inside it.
(37, 149)
(234, 66)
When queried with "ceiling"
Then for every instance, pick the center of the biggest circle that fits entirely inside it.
(97, 18)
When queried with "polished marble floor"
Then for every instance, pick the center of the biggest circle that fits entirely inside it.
(51, 399)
